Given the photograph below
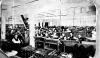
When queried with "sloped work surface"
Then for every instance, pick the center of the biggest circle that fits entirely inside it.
(3, 55)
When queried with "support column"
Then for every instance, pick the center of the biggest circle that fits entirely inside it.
(97, 4)
(97, 54)
(3, 22)
(3, 27)
(32, 31)
(41, 24)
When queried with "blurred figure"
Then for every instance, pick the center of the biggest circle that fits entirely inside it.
(93, 35)
(16, 39)
(63, 36)
(68, 30)
(79, 37)
(10, 35)
(71, 36)
(46, 34)
(26, 40)
(54, 35)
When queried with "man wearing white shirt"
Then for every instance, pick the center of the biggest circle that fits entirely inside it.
(16, 39)
(93, 35)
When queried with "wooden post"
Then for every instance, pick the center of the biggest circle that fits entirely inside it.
(3, 22)
(32, 31)
(97, 4)
(97, 54)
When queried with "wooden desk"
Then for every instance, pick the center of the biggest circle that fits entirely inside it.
(46, 41)
(87, 44)
(69, 43)
(55, 42)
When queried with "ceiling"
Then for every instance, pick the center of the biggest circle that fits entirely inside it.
(43, 8)
(14, 3)
(41, 5)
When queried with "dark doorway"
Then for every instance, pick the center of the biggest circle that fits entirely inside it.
(46, 24)
(39, 24)
(42, 24)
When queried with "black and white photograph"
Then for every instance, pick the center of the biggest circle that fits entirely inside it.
(49, 28)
